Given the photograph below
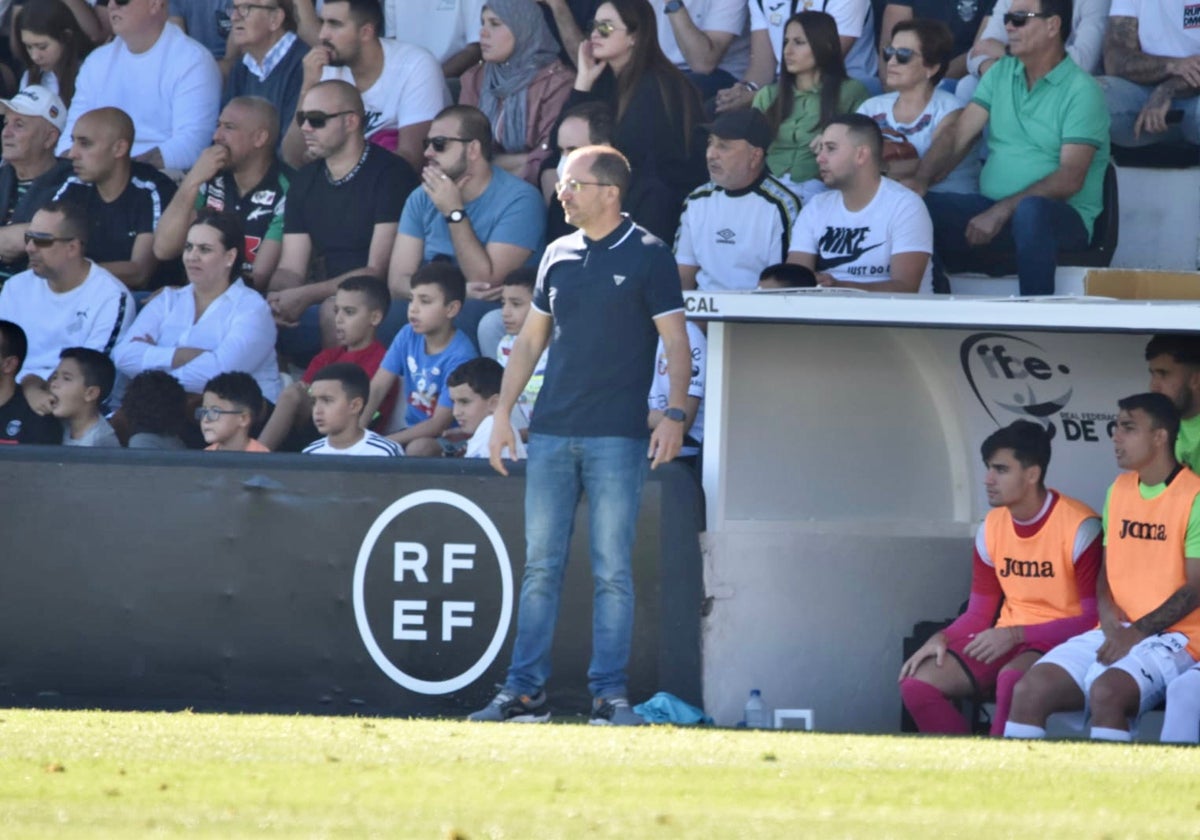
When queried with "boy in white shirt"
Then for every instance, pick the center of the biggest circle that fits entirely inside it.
(475, 390)
(339, 394)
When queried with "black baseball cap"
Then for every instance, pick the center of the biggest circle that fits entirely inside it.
(746, 124)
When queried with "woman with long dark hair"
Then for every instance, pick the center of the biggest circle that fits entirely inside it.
(51, 45)
(812, 87)
(658, 111)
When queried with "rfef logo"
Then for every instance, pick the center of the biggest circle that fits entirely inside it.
(1013, 375)
(433, 591)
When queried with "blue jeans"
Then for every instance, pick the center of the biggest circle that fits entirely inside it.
(1125, 100)
(612, 472)
(1037, 231)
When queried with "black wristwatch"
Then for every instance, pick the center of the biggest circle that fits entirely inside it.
(676, 414)
(672, 6)
(455, 216)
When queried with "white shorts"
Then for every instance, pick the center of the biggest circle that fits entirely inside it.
(1152, 663)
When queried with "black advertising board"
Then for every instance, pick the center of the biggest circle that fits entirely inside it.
(286, 583)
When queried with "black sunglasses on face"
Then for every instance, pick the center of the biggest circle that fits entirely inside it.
(439, 143)
(1019, 19)
(903, 55)
(317, 119)
(44, 240)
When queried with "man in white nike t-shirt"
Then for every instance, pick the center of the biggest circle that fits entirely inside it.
(867, 231)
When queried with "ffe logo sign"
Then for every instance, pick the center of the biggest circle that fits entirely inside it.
(425, 584)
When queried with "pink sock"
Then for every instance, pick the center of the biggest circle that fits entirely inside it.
(931, 711)
(1005, 683)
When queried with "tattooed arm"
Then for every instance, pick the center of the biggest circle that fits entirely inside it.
(1124, 57)
(1178, 605)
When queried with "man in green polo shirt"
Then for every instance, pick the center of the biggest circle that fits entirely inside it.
(1042, 184)
(1174, 363)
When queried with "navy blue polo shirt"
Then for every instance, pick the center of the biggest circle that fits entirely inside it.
(603, 296)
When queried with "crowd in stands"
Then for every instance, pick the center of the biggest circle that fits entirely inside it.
(205, 187)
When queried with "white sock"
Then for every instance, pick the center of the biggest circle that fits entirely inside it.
(1023, 730)
(1103, 733)
(1181, 723)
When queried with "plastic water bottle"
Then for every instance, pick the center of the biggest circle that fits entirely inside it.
(756, 712)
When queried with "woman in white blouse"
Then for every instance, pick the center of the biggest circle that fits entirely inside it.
(214, 324)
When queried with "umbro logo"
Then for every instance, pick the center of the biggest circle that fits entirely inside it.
(725, 236)
(618, 279)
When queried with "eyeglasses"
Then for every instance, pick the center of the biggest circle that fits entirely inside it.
(439, 143)
(903, 55)
(44, 240)
(1019, 19)
(317, 119)
(603, 28)
(242, 10)
(214, 414)
(574, 185)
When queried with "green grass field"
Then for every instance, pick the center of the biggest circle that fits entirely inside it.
(98, 774)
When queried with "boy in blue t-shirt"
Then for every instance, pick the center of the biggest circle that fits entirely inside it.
(424, 353)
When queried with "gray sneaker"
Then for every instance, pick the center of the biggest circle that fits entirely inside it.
(507, 707)
(614, 711)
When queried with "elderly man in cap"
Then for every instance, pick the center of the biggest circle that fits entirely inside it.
(741, 221)
(30, 174)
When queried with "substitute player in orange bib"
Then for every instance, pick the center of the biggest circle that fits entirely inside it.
(1147, 592)
(1038, 551)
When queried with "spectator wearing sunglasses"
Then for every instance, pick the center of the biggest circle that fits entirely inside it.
(468, 211)
(401, 85)
(63, 299)
(1041, 187)
(123, 198)
(521, 85)
(658, 110)
(340, 219)
(239, 173)
(30, 174)
(272, 56)
(917, 110)
(167, 83)
(962, 17)
(1152, 57)
(1089, 23)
